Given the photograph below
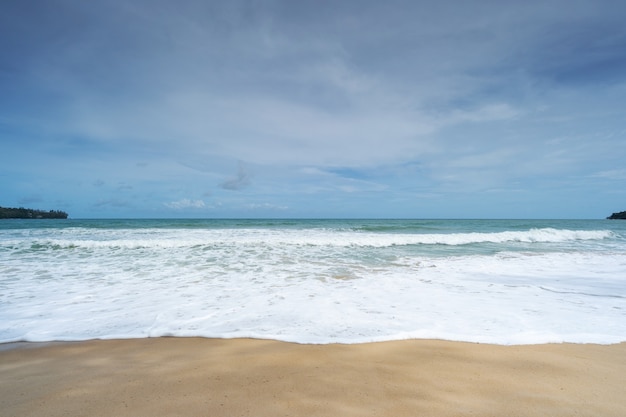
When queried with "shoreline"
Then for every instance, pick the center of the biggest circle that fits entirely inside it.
(232, 377)
(25, 344)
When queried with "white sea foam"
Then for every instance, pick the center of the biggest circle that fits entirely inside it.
(317, 285)
(175, 239)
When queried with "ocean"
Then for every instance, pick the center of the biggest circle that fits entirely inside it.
(314, 281)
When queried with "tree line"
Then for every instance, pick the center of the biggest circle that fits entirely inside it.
(26, 213)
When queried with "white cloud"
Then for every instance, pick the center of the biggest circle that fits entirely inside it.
(483, 113)
(186, 203)
(613, 174)
(266, 206)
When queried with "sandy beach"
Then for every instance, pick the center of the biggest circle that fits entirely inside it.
(244, 377)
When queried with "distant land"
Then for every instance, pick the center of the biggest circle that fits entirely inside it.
(24, 213)
(615, 216)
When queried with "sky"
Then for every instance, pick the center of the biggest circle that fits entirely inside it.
(314, 109)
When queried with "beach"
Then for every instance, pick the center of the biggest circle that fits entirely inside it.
(249, 377)
(165, 317)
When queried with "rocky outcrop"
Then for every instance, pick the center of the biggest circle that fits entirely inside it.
(618, 216)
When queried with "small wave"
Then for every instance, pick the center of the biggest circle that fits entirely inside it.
(332, 238)
(546, 235)
(587, 294)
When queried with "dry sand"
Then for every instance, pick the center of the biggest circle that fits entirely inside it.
(212, 377)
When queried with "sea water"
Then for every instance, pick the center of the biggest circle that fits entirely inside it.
(314, 281)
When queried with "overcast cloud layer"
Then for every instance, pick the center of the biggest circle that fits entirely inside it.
(153, 108)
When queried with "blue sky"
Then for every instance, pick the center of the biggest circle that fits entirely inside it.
(420, 109)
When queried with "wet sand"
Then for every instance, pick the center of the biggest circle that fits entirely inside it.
(244, 377)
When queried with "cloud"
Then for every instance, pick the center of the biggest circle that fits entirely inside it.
(320, 99)
(613, 174)
(239, 182)
(124, 187)
(323, 97)
(185, 203)
(484, 113)
(113, 202)
(345, 88)
(30, 199)
(267, 206)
